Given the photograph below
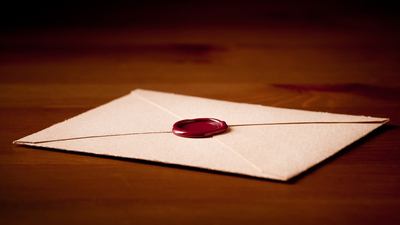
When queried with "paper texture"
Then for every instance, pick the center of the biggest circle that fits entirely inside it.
(262, 141)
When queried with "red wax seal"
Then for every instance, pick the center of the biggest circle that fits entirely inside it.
(201, 127)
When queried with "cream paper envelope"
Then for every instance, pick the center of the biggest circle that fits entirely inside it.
(262, 141)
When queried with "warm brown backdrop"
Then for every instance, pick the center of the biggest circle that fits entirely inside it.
(59, 60)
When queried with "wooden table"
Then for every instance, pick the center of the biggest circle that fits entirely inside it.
(326, 61)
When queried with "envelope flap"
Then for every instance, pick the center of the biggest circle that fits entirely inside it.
(241, 113)
(126, 115)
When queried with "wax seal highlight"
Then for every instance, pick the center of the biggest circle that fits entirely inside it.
(201, 127)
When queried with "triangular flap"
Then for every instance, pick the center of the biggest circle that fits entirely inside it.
(125, 115)
(241, 113)
(206, 153)
(287, 150)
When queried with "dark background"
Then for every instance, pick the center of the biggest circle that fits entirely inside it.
(56, 14)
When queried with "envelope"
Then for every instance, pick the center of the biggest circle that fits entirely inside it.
(261, 141)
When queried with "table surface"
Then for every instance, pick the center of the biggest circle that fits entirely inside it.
(319, 58)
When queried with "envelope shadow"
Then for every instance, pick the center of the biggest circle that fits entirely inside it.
(384, 128)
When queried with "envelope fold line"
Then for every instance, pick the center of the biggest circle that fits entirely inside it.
(155, 104)
(252, 164)
(157, 132)
(294, 123)
(87, 137)
(238, 154)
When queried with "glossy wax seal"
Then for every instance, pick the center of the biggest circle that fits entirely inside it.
(201, 127)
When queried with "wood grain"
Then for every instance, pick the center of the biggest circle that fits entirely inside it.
(342, 63)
